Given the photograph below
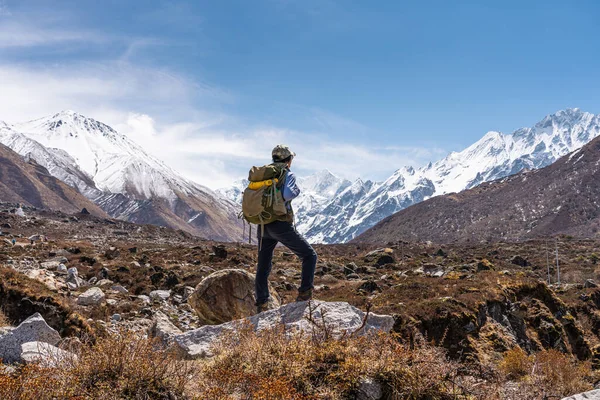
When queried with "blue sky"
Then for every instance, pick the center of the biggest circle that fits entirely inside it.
(361, 88)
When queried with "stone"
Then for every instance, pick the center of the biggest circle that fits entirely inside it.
(227, 295)
(116, 317)
(369, 389)
(50, 264)
(119, 289)
(380, 257)
(352, 277)
(160, 295)
(341, 318)
(369, 286)
(62, 269)
(112, 253)
(104, 282)
(220, 251)
(163, 328)
(103, 273)
(593, 395)
(45, 354)
(589, 283)
(520, 261)
(46, 277)
(433, 270)
(91, 297)
(73, 278)
(145, 299)
(33, 329)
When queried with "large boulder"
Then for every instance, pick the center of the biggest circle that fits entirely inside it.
(593, 395)
(45, 354)
(227, 295)
(339, 317)
(33, 329)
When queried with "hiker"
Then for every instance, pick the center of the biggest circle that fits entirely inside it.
(267, 202)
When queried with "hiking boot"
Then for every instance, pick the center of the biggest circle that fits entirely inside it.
(262, 307)
(304, 296)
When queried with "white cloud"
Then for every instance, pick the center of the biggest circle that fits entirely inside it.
(178, 119)
(156, 109)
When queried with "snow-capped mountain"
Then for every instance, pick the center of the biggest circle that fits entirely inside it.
(360, 205)
(120, 176)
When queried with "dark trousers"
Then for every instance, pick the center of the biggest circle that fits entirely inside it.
(286, 234)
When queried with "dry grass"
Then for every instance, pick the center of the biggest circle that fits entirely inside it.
(547, 374)
(279, 365)
(3, 320)
(123, 366)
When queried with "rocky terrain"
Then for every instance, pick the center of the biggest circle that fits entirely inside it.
(559, 199)
(482, 305)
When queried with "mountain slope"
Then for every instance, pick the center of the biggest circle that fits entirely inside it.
(561, 198)
(494, 156)
(30, 183)
(121, 177)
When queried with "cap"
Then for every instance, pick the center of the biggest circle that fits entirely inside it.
(281, 152)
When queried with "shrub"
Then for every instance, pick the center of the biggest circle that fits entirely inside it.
(547, 374)
(284, 365)
(516, 363)
(123, 365)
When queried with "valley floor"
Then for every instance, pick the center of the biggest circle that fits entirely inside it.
(471, 321)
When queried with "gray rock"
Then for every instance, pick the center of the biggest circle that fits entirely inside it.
(104, 282)
(163, 328)
(369, 389)
(91, 297)
(45, 354)
(116, 317)
(160, 295)
(73, 279)
(50, 264)
(589, 283)
(119, 289)
(340, 317)
(145, 299)
(593, 395)
(33, 329)
(62, 269)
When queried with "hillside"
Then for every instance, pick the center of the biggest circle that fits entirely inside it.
(31, 184)
(120, 176)
(562, 198)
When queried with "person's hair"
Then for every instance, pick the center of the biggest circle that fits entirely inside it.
(285, 160)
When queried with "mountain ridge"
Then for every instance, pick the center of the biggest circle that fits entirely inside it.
(120, 176)
(558, 199)
(359, 205)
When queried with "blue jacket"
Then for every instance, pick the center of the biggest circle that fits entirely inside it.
(290, 189)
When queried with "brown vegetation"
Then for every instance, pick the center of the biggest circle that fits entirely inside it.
(3, 320)
(122, 366)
